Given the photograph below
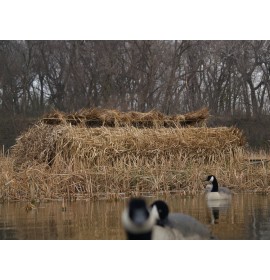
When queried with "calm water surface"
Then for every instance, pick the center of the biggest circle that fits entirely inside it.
(247, 217)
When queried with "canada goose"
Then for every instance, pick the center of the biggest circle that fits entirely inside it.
(138, 221)
(177, 225)
(214, 192)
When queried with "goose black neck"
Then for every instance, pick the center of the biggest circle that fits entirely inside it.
(162, 222)
(215, 186)
(139, 236)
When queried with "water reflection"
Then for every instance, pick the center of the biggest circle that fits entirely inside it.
(217, 206)
(214, 215)
(246, 217)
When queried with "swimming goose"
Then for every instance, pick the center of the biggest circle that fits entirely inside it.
(214, 192)
(177, 225)
(138, 221)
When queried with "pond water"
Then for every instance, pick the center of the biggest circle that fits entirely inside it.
(247, 217)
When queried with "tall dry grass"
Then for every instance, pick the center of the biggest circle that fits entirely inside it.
(128, 177)
(76, 162)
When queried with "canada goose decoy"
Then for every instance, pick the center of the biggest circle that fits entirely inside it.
(177, 225)
(214, 192)
(138, 220)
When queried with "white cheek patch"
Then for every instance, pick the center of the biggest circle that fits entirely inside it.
(155, 213)
(211, 179)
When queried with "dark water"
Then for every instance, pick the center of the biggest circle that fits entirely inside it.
(247, 217)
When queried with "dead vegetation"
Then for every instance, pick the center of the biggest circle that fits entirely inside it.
(77, 161)
(97, 117)
(86, 147)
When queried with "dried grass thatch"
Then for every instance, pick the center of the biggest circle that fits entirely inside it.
(86, 147)
(59, 161)
(78, 161)
(113, 118)
(111, 162)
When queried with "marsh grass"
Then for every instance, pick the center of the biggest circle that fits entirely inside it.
(175, 175)
(129, 178)
(73, 160)
(111, 163)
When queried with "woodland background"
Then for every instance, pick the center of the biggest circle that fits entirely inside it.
(231, 78)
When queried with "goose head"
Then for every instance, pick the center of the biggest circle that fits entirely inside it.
(137, 219)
